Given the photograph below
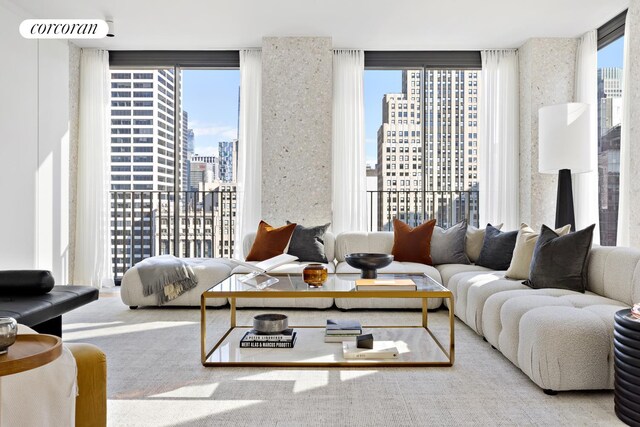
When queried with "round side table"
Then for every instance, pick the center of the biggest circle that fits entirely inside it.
(627, 367)
(30, 351)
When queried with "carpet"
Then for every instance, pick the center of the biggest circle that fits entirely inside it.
(155, 378)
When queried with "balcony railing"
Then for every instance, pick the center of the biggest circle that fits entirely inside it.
(414, 207)
(183, 223)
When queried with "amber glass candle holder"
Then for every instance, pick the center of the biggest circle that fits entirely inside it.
(314, 274)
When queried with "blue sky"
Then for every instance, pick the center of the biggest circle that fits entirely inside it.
(611, 56)
(211, 99)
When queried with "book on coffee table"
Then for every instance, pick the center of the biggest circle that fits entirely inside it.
(380, 350)
(343, 327)
(247, 342)
(385, 285)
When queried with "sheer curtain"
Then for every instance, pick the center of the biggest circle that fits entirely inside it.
(624, 237)
(498, 157)
(249, 184)
(349, 168)
(585, 185)
(93, 237)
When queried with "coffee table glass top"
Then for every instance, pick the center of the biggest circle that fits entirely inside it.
(334, 283)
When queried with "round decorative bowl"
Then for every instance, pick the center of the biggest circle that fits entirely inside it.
(8, 333)
(270, 323)
(314, 274)
(368, 263)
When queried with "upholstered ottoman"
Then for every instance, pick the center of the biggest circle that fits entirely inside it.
(208, 271)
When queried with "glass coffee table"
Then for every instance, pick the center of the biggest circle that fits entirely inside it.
(417, 344)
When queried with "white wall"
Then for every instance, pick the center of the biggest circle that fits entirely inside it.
(34, 149)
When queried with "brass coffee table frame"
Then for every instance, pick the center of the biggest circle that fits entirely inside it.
(424, 295)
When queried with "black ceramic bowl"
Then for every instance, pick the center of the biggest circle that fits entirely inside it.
(368, 263)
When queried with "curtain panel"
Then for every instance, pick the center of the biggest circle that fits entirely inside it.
(585, 185)
(349, 165)
(93, 233)
(249, 183)
(498, 156)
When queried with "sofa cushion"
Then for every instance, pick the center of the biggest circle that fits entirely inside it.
(475, 239)
(449, 270)
(448, 246)
(561, 261)
(412, 244)
(270, 241)
(523, 252)
(614, 272)
(307, 243)
(497, 248)
(25, 282)
(358, 241)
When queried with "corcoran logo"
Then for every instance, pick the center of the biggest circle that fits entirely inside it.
(63, 28)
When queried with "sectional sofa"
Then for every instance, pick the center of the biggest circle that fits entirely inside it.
(561, 339)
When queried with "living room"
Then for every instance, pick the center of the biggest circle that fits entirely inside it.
(476, 156)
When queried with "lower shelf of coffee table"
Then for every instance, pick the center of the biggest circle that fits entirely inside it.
(416, 346)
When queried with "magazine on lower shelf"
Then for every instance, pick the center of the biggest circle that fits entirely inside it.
(380, 350)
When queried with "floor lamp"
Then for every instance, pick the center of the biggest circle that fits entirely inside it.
(564, 132)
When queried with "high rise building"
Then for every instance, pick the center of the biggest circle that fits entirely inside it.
(202, 173)
(610, 118)
(142, 157)
(184, 154)
(228, 151)
(428, 149)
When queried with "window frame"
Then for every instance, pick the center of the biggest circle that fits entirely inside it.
(178, 61)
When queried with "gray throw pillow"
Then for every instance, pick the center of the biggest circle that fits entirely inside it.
(561, 261)
(497, 248)
(448, 246)
(307, 243)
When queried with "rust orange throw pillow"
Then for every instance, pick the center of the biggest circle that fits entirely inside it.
(412, 244)
(270, 241)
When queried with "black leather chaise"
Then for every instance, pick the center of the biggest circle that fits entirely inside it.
(30, 297)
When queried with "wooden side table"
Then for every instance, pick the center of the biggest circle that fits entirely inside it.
(30, 351)
(627, 367)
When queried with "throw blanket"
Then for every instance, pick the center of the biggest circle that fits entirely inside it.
(167, 276)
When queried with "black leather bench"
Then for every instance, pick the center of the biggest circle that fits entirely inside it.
(25, 296)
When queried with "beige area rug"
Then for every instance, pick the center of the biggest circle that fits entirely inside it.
(155, 379)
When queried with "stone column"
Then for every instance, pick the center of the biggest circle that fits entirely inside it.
(296, 129)
(547, 74)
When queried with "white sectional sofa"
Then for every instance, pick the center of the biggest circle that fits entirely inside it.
(561, 339)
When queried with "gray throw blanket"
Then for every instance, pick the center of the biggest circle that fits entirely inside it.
(166, 276)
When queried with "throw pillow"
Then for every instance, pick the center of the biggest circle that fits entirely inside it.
(475, 238)
(307, 243)
(523, 252)
(412, 244)
(497, 248)
(561, 261)
(448, 246)
(270, 241)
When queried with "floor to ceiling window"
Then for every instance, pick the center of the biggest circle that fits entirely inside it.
(421, 139)
(174, 140)
(610, 78)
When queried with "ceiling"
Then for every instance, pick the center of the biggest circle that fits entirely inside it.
(363, 24)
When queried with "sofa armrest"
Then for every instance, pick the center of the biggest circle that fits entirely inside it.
(25, 282)
(91, 403)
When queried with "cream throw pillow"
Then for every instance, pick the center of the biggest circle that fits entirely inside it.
(523, 252)
(475, 238)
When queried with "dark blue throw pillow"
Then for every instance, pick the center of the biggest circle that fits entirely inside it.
(561, 261)
(497, 248)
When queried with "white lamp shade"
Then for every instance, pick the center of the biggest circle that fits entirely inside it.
(564, 132)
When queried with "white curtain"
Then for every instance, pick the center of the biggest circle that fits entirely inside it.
(585, 185)
(348, 187)
(498, 156)
(92, 265)
(624, 237)
(249, 183)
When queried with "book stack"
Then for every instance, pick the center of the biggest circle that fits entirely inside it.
(342, 330)
(385, 285)
(635, 312)
(253, 339)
